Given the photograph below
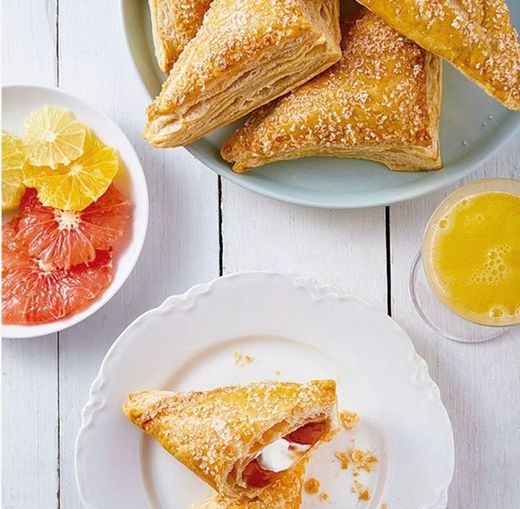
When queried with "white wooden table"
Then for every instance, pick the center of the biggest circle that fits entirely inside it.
(201, 227)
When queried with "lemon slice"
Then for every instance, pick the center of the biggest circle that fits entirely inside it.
(13, 162)
(52, 137)
(77, 185)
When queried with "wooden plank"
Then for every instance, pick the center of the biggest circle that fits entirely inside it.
(346, 248)
(30, 409)
(182, 246)
(29, 42)
(29, 423)
(480, 384)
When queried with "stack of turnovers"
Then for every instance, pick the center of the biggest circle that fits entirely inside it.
(246, 53)
(228, 437)
(381, 101)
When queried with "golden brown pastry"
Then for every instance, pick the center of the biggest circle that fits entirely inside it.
(381, 101)
(476, 36)
(246, 53)
(174, 24)
(285, 493)
(239, 439)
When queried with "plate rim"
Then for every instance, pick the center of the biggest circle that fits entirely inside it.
(39, 330)
(498, 139)
(316, 291)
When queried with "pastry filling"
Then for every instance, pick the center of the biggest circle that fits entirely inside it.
(282, 454)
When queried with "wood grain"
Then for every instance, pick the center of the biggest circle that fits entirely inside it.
(480, 383)
(30, 477)
(182, 245)
(345, 248)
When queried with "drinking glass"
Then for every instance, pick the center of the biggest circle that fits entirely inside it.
(427, 296)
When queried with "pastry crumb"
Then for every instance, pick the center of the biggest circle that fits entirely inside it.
(325, 496)
(364, 460)
(384, 506)
(311, 486)
(361, 490)
(349, 420)
(241, 359)
(277, 372)
(344, 460)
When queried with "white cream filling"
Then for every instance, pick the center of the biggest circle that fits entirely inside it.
(281, 455)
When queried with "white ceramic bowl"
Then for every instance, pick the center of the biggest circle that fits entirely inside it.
(17, 102)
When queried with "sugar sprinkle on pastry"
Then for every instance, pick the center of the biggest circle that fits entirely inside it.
(476, 36)
(246, 53)
(380, 101)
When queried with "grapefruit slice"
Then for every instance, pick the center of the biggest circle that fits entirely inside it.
(9, 245)
(78, 184)
(52, 136)
(35, 292)
(66, 238)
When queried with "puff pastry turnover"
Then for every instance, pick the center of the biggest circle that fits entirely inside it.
(174, 24)
(476, 36)
(381, 101)
(246, 53)
(285, 493)
(224, 434)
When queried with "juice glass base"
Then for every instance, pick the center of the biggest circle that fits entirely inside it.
(439, 317)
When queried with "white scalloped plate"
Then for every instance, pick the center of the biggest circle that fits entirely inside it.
(294, 329)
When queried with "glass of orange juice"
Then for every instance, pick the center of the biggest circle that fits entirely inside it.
(465, 282)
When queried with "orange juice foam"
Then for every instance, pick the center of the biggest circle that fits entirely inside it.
(475, 255)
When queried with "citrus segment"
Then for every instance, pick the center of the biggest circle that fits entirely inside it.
(13, 161)
(52, 136)
(67, 238)
(36, 292)
(79, 184)
(9, 255)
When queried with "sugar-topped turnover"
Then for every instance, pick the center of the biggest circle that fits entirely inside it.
(232, 32)
(476, 36)
(211, 431)
(376, 93)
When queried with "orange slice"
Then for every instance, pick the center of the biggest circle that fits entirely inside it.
(13, 162)
(52, 136)
(76, 186)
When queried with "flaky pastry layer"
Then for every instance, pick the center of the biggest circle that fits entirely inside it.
(246, 53)
(174, 24)
(381, 101)
(218, 433)
(285, 493)
(476, 36)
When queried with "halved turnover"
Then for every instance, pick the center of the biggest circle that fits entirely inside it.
(246, 53)
(239, 439)
(381, 101)
(284, 493)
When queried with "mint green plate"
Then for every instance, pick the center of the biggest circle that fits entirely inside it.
(473, 128)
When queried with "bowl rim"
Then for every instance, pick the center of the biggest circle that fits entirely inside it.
(136, 175)
(459, 168)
